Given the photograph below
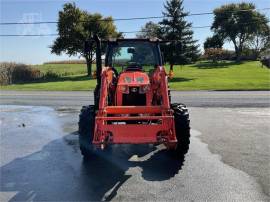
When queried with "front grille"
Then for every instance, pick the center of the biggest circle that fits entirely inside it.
(134, 98)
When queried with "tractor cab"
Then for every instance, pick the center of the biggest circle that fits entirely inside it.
(133, 54)
(132, 62)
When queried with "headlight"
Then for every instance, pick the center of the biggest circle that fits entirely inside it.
(124, 89)
(144, 89)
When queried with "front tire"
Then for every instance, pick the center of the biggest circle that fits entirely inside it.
(86, 129)
(182, 129)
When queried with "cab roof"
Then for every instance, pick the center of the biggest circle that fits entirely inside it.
(134, 39)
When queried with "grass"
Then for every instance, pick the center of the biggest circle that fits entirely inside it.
(199, 76)
(222, 76)
(62, 69)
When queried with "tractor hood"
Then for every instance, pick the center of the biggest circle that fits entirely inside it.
(135, 78)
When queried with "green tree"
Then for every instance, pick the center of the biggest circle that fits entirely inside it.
(181, 49)
(238, 23)
(75, 27)
(149, 30)
(213, 42)
(260, 41)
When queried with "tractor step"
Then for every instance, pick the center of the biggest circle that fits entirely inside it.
(133, 109)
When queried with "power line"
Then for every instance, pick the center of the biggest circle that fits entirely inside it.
(127, 32)
(124, 32)
(125, 19)
(11, 35)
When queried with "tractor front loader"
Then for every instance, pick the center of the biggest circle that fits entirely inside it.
(132, 100)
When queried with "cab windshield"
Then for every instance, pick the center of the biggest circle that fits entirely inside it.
(141, 55)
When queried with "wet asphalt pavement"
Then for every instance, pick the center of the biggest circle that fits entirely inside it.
(40, 160)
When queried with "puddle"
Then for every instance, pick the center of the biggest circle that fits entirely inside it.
(27, 129)
(38, 156)
(72, 141)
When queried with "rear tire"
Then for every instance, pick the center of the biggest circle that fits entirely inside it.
(182, 129)
(86, 129)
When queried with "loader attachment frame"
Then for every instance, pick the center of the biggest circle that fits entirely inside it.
(135, 124)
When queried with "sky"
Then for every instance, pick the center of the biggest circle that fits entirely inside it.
(36, 50)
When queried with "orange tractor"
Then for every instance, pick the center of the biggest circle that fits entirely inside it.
(132, 100)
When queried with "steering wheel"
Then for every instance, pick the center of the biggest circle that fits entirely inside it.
(133, 66)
